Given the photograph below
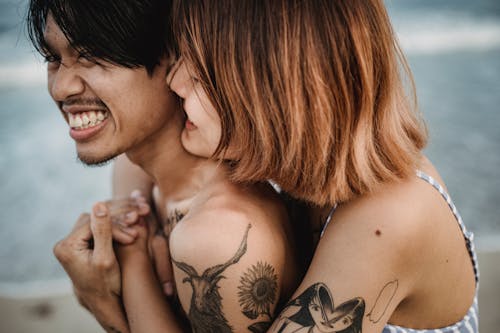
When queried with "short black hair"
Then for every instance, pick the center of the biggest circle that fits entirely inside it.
(129, 33)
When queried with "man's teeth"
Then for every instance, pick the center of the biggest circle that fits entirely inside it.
(88, 119)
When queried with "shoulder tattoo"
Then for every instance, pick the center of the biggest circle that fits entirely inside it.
(257, 293)
(205, 310)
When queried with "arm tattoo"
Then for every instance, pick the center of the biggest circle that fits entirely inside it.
(171, 221)
(205, 311)
(257, 293)
(384, 298)
(314, 309)
(175, 216)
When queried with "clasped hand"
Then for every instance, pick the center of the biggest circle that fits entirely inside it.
(105, 239)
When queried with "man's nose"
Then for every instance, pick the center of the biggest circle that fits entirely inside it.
(64, 83)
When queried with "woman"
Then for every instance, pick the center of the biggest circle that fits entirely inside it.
(311, 94)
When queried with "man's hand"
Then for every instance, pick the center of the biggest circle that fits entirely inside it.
(88, 257)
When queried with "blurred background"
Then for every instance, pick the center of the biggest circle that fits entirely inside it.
(453, 47)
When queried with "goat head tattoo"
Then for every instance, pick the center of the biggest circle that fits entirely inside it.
(205, 310)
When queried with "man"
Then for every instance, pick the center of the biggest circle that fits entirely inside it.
(107, 64)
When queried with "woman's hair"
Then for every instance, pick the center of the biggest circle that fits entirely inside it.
(310, 93)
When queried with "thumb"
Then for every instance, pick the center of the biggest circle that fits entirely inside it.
(100, 225)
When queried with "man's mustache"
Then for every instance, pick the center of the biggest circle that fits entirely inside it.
(83, 101)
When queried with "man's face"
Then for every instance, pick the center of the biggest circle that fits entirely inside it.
(110, 109)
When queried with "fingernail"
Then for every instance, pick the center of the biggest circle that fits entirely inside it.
(131, 216)
(131, 231)
(100, 210)
(168, 288)
(143, 208)
(136, 194)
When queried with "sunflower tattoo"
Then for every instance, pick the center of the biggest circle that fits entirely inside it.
(257, 292)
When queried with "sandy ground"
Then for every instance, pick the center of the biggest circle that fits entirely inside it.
(53, 312)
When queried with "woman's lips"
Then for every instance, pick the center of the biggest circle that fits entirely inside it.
(189, 125)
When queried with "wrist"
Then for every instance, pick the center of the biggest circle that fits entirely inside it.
(110, 314)
(134, 260)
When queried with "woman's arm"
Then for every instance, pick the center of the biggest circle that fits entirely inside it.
(145, 304)
(229, 270)
(229, 276)
(366, 263)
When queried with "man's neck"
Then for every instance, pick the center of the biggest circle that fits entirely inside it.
(178, 174)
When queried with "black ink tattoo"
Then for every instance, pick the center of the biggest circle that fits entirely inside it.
(205, 310)
(257, 293)
(175, 216)
(314, 310)
(384, 298)
(171, 221)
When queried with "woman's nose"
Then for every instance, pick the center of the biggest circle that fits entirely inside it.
(179, 79)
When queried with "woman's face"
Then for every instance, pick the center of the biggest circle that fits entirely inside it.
(202, 130)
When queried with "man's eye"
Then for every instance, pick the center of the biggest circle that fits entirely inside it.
(51, 58)
(88, 60)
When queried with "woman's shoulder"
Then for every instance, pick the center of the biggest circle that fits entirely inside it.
(227, 211)
(258, 204)
(405, 222)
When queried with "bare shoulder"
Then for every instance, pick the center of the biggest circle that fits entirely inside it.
(398, 249)
(229, 258)
(395, 213)
(215, 226)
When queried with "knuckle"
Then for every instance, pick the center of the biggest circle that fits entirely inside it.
(60, 250)
(104, 264)
(84, 216)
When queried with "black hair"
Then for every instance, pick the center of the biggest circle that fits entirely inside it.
(129, 33)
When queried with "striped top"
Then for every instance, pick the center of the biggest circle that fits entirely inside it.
(469, 323)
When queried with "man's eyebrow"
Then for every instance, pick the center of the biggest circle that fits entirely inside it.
(51, 49)
(47, 47)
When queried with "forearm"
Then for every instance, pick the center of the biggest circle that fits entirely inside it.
(110, 315)
(128, 177)
(146, 307)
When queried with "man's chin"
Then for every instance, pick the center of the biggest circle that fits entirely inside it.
(95, 161)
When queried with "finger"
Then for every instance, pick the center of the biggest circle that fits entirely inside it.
(143, 208)
(136, 194)
(100, 225)
(151, 225)
(122, 206)
(124, 236)
(163, 267)
(74, 243)
(126, 219)
(82, 219)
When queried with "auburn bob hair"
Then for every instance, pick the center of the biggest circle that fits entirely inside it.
(312, 94)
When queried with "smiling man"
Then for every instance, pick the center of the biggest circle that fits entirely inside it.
(110, 87)
(107, 63)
